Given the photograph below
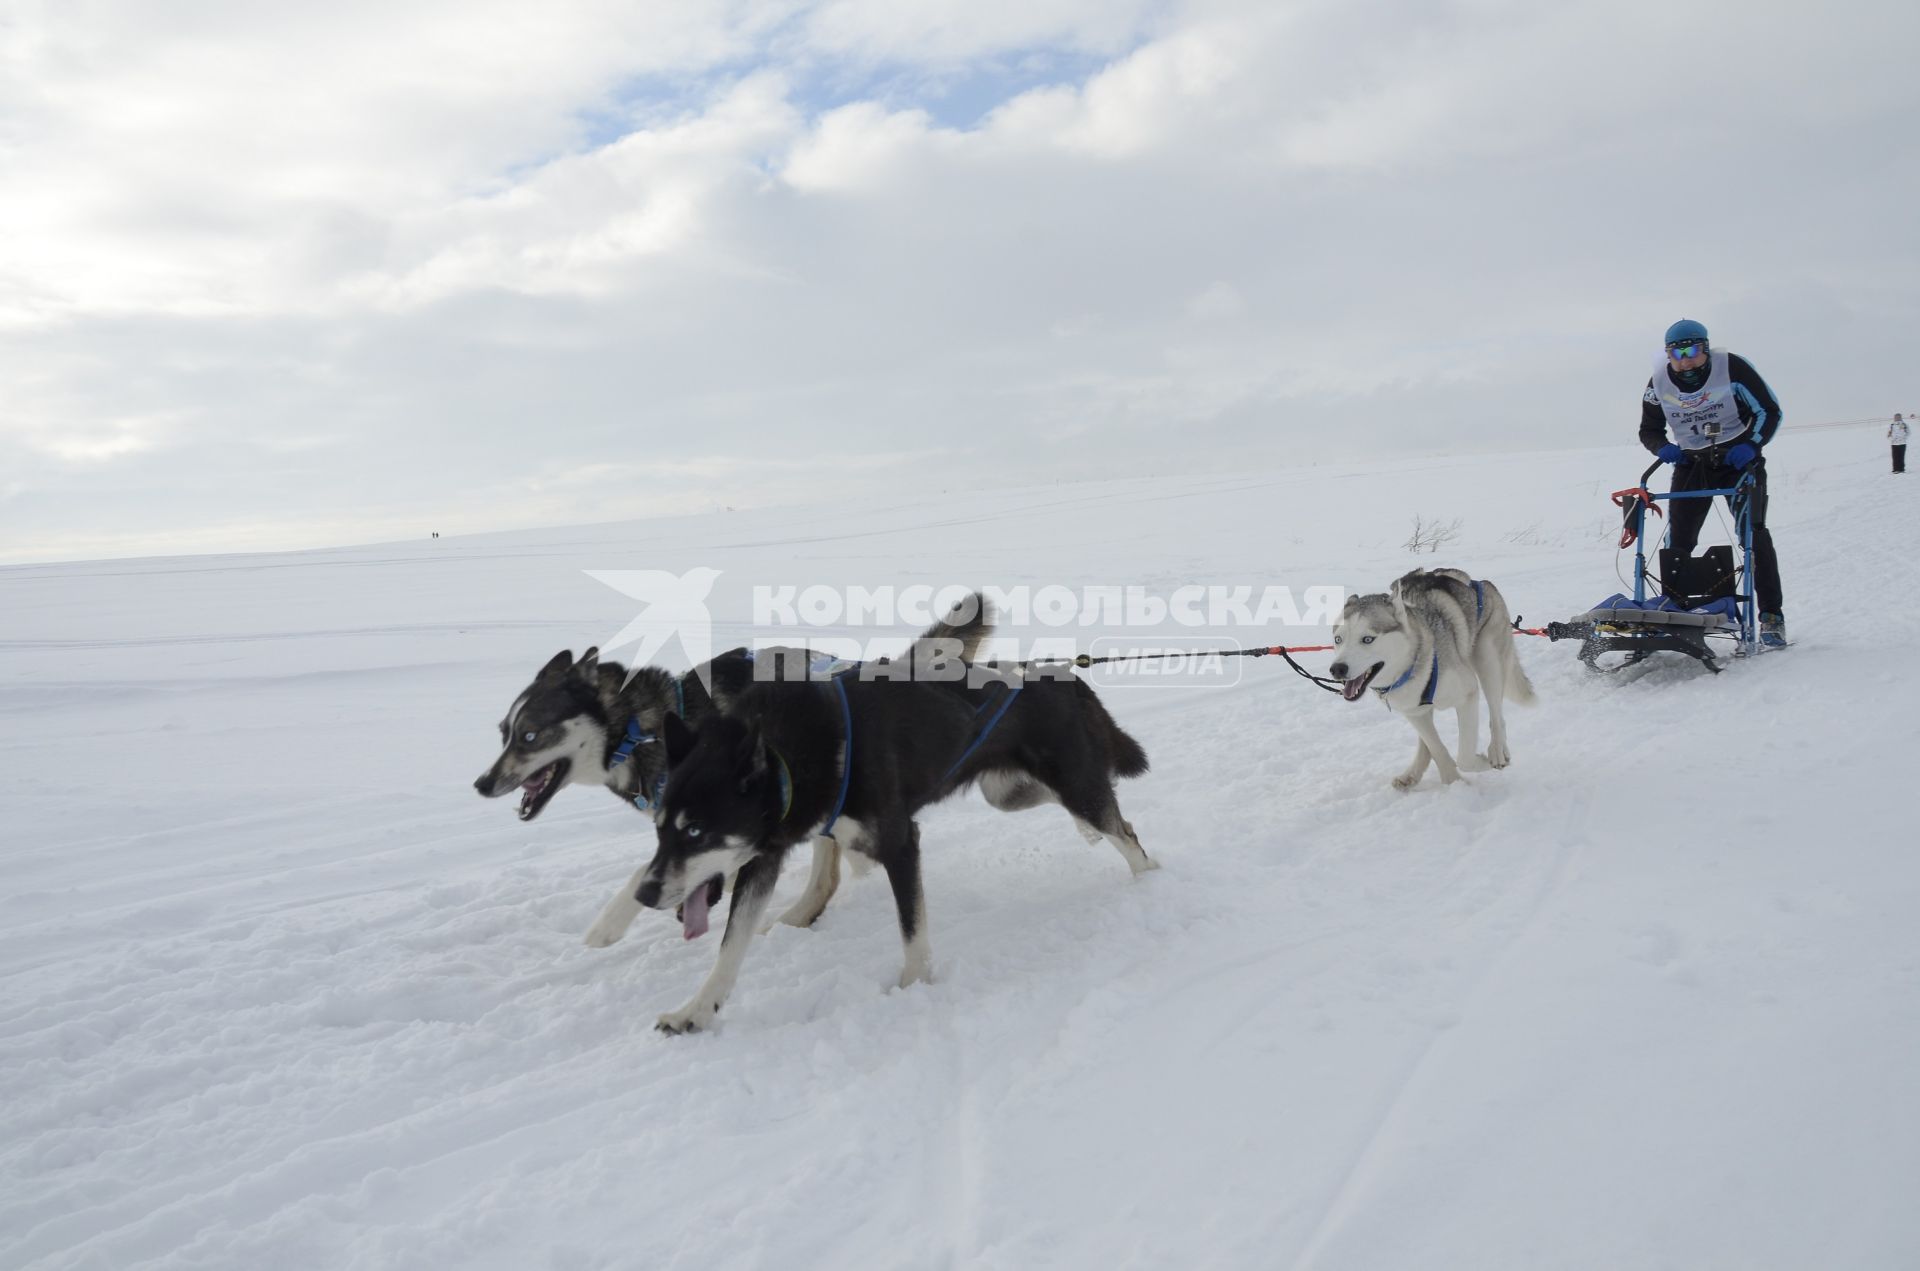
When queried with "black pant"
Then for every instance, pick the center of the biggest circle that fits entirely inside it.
(1688, 515)
(1900, 457)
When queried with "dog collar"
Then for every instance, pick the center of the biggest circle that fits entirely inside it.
(646, 804)
(645, 800)
(635, 739)
(1426, 695)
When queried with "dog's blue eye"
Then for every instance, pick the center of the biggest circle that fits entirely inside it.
(1338, 639)
(529, 735)
(693, 831)
(1366, 639)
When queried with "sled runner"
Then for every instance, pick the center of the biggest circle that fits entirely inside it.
(1699, 599)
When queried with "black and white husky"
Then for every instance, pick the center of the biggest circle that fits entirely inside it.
(588, 722)
(1436, 640)
(857, 758)
(568, 725)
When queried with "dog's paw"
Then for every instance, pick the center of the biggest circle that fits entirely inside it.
(1498, 756)
(694, 1017)
(606, 930)
(1406, 781)
(1474, 763)
(614, 919)
(911, 975)
(802, 916)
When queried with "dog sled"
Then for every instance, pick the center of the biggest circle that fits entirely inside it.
(1700, 606)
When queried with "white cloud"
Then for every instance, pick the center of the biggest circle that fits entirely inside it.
(100, 440)
(942, 31)
(1220, 301)
(574, 224)
(857, 147)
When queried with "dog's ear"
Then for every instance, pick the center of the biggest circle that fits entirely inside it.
(678, 736)
(588, 663)
(562, 662)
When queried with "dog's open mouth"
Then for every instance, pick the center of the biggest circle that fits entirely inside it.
(1353, 688)
(540, 787)
(693, 910)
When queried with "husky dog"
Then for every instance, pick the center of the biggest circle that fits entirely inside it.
(570, 725)
(1436, 640)
(858, 757)
(567, 726)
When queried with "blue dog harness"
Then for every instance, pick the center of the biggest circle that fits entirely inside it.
(840, 671)
(1433, 676)
(846, 756)
(1006, 700)
(638, 737)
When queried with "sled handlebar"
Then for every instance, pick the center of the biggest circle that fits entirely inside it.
(1631, 501)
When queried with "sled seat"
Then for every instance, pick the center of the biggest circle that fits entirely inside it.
(1657, 618)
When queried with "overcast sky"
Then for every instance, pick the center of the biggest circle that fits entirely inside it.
(296, 274)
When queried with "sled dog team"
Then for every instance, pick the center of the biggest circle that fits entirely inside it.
(739, 762)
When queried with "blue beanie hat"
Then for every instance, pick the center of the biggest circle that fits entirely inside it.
(1686, 331)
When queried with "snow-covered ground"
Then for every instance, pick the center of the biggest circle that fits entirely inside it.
(279, 991)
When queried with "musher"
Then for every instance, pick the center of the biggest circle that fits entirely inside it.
(1721, 415)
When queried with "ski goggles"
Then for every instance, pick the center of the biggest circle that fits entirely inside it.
(1681, 352)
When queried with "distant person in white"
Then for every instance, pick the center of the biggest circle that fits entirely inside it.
(1897, 434)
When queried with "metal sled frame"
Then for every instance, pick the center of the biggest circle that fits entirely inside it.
(1639, 639)
(1640, 632)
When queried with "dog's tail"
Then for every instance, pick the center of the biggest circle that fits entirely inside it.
(962, 632)
(1496, 624)
(1519, 687)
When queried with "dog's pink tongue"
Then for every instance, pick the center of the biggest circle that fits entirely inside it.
(1353, 688)
(693, 913)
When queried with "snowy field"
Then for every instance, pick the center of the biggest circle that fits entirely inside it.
(280, 991)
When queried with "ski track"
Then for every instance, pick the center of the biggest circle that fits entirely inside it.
(285, 993)
(1351, 1187)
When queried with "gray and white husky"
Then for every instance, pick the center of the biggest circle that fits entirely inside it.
(1436, 640)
